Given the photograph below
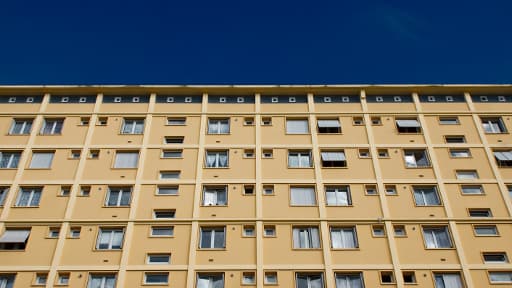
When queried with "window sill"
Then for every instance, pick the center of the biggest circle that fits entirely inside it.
(171, 158)
(17, 134)
(346, 249)
(107, 250)
(307, 249)
(341, 167)
(121, 206)
(300, 167)
(314, 205)
(215, 167)
(25, 206)
(60, 134)
(211, 249)
(334, 205)
(38, 168)
(155, 284)
(9, 168)
(214, 205)
(440, 248)
(122, 168)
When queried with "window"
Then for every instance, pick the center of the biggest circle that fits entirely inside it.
(448, 280)
(487, 230)
(249, 121)
(409, 277)
(302, 196)
(29, 197)
(52, 126)
(268, 190)
(167, 190)
(9, 159)
(270, 278)
(14, 239)
(364, 153)
(3, 194)
(75, 154)
(208, 280)
(172, 153)
(426, 196)
(309, 280)
(132, 126)
(84, 121)
(267, 153)
(493, 125)
(370, 190)
(437, 237)
(343, 238)
(53, 232)
(41, 278)
(94, 154)
(110, 239)
(248, 278)
(349, 280)
(328, 126)
(156, 278)
(387, 277)
(177, 121)
(460, 153)
(333, 159)
(408, 126)
(472, 189)
(217, 159)
(218, 126)
(159, 259)
(466, 174)
(299, 159)
(85, 191)
(383, 153)
(169, 175)
(102, 281)
(118, 196)
(174, 139)
(495, 257)
(449, 120)
(266, 121)
(416, 158)
(503, 158)
(297, 126)
(248, 189)
(399, 230)
(509, 188)
(213, 238)
(74, 232)
(248, 153)
(248, 231)
(20, 127)
(479, 212)
(390, 190)
(63, 279)
(215, 195)
(164, 214)
(162, 231)
(269, 231)
(338, 196)
(306, 238)
(102, 121)
(378, 231)
(126, 159)
(455, 139)
(358, 121)
(500, 277)
(41, 160)
(376, 121)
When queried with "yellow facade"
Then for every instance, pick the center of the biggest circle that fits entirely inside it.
(256, 186)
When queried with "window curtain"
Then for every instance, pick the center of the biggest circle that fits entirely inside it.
(23, 198)
(112, 197)
(139, 127)
(343, 238)
(293, 160)
(297, 126)
(36, 198)
(221, 197)
(213, 127)
(128, 126)
(305, 160)
(224, 127)
(206, 238)
(117, 240)
(303, 196)
(104, 239)
(410, 160)
(422, 159)
(348, 281)
(448, 281)
(443, 240)
(209, 197)
(306, 237)
(223, 159)
(41, 160)
(211, 159)
(337, 197)
(126, 160)
(218, 240)
(125, 197)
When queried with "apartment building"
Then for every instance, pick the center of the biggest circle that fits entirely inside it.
(256, 186)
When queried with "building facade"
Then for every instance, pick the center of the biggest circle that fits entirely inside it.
(256, 186)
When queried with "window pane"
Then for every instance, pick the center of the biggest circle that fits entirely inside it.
(297, 126)
(126, 160)
(303, 196)
(41, 160)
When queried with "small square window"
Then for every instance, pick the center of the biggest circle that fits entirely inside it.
(486, 230)
(156, 278)
(63, 279)
(169, 99)
(85, 191)
(41, 279)
(431, 98)
(269, 231)
(53, 232)
(275, 99)
(399, 231)
(267, 153)
(172, 153)
(358, 121)
(268, 190)
(248, 153)
(176, 121)
(409, 277)
(376, 121)
(495, 257)
(117, 99)
(327, 99)
(466, 174)
(391, 190)
(345, 99)
(248, 189)
(455, 139)
(249, 231)
(159, 259)
(397, 99)
(502, 99)
(364, 153)
(449, 98)
(164, 214)
(84, 121)
(94, 154)
(74, 232)
(378, 231)
(240, 99)
(102, 121)
(162, 231)
(222, 99)
(249, 121)
(75, 154)
(386, 277)
(188, 99)
(383, 153)
(270, 278)
(484, 99)
(136, 99)
(379, 99)
(292, 99)
(30, 99)
(167, 190)
(82, 99)
(266, 121)
(12, 99)
(371, 190)
(248, 278)
(65, 191)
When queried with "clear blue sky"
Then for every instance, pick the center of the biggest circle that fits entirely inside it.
(255, 42)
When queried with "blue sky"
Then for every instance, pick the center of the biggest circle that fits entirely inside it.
(255, 42)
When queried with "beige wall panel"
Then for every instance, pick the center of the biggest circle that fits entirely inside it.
(178, 245)
(70, 108)
(276, 133)
(350, 134)
(110, 134)
(473, 246)
(284, 108)
(356, 168)
(38, 252)
(395, 107)
(20, 108)
(278, 205)
(363, 206)
(159, 129)
(178, 108)
(123, 108)
(394, 167)
(149, 201)
(5, 127)
(387, 133)
(7, 174)
(500, 139)
(277, 168)
(466, 128)
(230, 108)
(154, 164)
(239, 205)
(93, 206)
(493, 107)
(176, 279)
(478, 161)
(50, 206)
(72, 134)
(239, 134)
(337, 107)
(239, 168)
(62, 168)
(372, 250)
(279, 250)
(439, 107)
(82, 251)
(491, 199)
(405, 198)
(239, 250)
(101, 168)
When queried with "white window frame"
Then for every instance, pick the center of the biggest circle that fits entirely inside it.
(306, 237)
(339, 237)
(500, 280)
(219, 125)
(309, 280)
(217, 161)
(54, 129)
(26, 126)
(300, 155)
(292, 128)
(113, 232)
(346, 280)
(341, 196)
(103, 280)
(213, 232)
(166, 255)
(34, 197)
(212, 195)
(211, 278)
(122, 191)
(133, 126)
(162, 228)
(146, 274)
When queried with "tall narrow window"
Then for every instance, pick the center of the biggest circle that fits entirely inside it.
(448, 280)
(493, 125)
(217, 159)
(338, 196)
(52, 126)
(132, 126)
(416, 158)
(426, 196)
(215, 195)
(299, 159)
(297, 126)
(29, 197)
(437, 237)
(218, 126)
(343, 238)
(209, 280)
(102, 281)
(303, 196)
(349, 280)
(306, 238)
(110, 239)
(309, 280)
(9, 159)
(125, 159)
(20, 127)
(118, 196)
(41, 160)
(213, 238)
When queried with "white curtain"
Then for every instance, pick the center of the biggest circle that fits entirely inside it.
(297, 126)
(448, 281)
(293, 160)
(348, 281)
(343, 238)
(306, 237)
(126, 160)
(211, 159)
(209, 197)
(117, 240)
(303, 196)
(41, 160)
(410, 160)
(223, 159)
